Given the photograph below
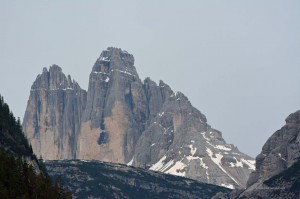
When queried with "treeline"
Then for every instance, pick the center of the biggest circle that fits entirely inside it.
(11, 134)
(18, 179)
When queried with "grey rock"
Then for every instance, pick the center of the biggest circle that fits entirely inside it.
(124, 120)
(116, 109)
(179, 141)
(277, 166)
(53, 114)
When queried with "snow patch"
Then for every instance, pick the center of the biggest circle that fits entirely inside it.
(238, 163)
(175, 170)
(192, 149)
(125, 72)
(217, 161)
(202, 164)
(104, 73)
(166, 166)
(241, 162)
(130, 162)
(281, 157)
(161, 114)
(222, 147)
(229, 186)
(106, 59)
(189, 158)
(158, 165)
(250, 163)
(206, 138)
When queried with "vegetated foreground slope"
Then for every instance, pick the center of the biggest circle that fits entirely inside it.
(97, 179)
(21, 174)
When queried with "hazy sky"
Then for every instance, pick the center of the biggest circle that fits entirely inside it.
(237, 61)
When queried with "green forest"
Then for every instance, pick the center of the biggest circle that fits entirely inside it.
(18, 178)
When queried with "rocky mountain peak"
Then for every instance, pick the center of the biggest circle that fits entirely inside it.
(53, 114)
(277, 170)
(124, 120)
(115, 59)
(54, 79)
(293, 119)
(279, 152)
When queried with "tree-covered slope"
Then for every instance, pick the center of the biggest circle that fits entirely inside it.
(21, 174)
(95, 179)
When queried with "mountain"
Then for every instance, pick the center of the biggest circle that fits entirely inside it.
(21, 174)
(179, 141)
(277, 173)
(122, 119)
(94, 179)
(116, 109)
(278, 165)
(53, 114)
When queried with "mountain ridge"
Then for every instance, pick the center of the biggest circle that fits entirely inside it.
(96, 179)
(277, 171)
(125, 120)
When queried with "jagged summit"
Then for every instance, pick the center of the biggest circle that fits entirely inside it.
(116, 57)
(277, 171)
(293, 119)
(125, 120)
(52, 118)
(54, 79)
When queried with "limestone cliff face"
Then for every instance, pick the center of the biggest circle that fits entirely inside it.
(124, 120)
(178, 141)
(278, 165)
(116, 109)
(53, 114)
(280, 151)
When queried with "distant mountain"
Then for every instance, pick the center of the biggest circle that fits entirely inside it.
(21, 174)
(94, 179)
(277, 172)
(122, 119)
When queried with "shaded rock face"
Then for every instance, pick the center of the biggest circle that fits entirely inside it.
(124, 120)
(278, 165)
(53, 114)
(179, 141)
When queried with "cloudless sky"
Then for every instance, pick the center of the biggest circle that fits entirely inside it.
(237, 61)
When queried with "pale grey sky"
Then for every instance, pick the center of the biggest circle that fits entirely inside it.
(237, 61)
